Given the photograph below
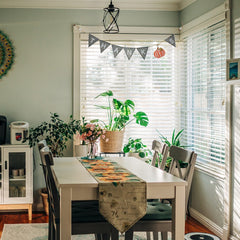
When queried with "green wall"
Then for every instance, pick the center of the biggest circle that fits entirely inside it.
(40, 80)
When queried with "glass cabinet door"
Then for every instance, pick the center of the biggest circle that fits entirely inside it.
(17, 174)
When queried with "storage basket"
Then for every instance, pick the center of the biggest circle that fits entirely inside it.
(112, 142)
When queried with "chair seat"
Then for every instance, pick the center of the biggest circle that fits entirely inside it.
(85, 211)
(158, 211)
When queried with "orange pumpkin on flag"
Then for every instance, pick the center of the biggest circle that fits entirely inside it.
(160, 52)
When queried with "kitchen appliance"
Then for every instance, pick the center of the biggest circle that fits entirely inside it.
(3, 129)
(19, 131)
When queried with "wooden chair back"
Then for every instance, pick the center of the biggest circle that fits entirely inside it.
(159, 149)
(186, 157)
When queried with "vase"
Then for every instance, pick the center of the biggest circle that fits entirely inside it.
(81, 150)
(92, 150)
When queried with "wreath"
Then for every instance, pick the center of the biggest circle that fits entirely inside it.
(6, 54)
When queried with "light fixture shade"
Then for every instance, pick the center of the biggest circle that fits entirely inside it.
(110, 16)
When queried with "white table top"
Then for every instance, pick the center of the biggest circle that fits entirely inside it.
(71, 173)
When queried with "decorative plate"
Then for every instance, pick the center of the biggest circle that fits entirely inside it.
(6, 54)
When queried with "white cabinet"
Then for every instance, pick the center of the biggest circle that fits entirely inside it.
(16, 178)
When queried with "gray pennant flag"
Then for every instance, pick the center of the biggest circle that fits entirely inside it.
(129, 52)
(91, 40)
(103, 45)
(143, 51)
(116, 50)
(171, 40)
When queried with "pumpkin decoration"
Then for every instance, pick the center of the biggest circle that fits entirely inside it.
(160, 52)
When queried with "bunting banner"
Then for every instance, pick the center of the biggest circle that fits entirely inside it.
(171, 40)
(116, 50)
(143, 51)
(103, 45)
(128, 51)
(91, 40)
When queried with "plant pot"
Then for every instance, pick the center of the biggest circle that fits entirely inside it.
(81, 150)
(43, 193)
(136, 155)
(112, 141)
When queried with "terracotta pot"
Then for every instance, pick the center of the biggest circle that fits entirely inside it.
(43, 193)
(112, 141)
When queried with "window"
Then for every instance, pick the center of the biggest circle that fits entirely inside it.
(203, 95)
(149, 83)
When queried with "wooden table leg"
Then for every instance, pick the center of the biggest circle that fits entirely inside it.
(178, 209)
(65, 214)
(30, 212)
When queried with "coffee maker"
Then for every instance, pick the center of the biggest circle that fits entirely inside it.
(3, 129)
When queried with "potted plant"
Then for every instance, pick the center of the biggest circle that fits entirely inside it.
(175, 141)
(119, 115)
(135, 147)
(56, 132)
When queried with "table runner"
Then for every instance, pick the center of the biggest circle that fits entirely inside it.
(122, 195)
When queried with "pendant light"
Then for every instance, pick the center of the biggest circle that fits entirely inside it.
(110, 16)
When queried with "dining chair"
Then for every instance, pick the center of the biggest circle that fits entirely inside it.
(160, 154)
(86, 218)
(159, 214)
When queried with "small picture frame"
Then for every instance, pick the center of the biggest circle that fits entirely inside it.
(233, 69)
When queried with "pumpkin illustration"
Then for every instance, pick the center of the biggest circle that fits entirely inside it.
(160, 52)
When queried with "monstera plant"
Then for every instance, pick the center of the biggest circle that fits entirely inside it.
(119, 115)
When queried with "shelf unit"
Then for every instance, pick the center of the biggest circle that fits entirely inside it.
(16, 178)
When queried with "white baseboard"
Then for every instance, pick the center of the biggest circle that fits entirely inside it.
(207, 222)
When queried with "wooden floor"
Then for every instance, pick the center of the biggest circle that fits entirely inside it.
(10, 218)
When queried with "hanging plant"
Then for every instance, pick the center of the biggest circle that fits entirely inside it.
(160, 52)
(6, 54)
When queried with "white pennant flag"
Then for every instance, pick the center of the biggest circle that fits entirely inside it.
(116, 50)
(171, 40)
(129, 52)
(103, 45)
(143, 51)
(91, 40)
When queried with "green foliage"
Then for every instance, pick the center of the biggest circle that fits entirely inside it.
(56, 132)
(137, 146)
(120, 114)
(175, 141)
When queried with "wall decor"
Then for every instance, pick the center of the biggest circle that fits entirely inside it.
(233, 69)
(128, 50)
(6, 54)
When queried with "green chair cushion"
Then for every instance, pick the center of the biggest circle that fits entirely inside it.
(158, 211)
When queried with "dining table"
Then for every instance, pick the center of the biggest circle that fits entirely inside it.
(75, 183)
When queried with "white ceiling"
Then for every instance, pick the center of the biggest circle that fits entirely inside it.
(158, 5)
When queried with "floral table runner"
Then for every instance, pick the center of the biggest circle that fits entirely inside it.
(122, 195)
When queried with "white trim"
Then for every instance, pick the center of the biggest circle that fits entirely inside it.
(206, 20)
(185, 3)
(146, 5)
(206, 222)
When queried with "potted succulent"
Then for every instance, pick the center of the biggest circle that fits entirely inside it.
(136, 148)
(119, 115)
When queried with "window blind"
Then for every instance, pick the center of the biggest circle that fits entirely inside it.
(149, 83)
(203, 95)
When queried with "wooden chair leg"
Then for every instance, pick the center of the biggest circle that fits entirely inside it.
(164, 235)
(155, 235)
(98, 236)
(105, 236)
(129, 235)
(148, 235)
(114, 234)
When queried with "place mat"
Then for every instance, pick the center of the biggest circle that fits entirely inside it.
(122, 195)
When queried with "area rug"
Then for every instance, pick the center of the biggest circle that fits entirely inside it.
(39, 231)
